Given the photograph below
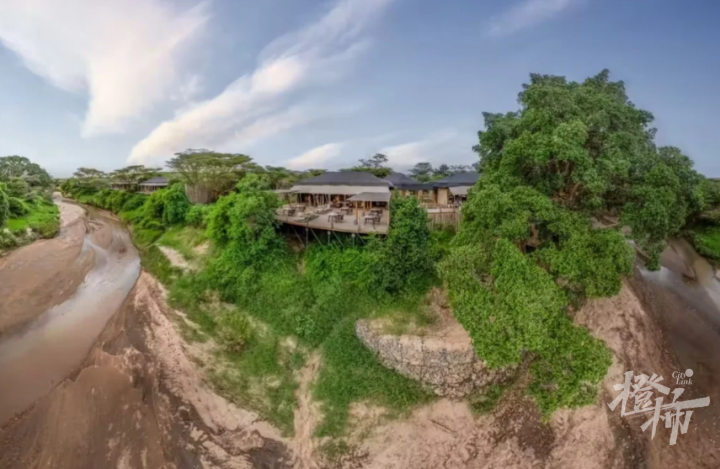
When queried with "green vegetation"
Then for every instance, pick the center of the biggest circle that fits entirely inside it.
(707, 241)
(267, 308)
(26, 210)
(527, 248)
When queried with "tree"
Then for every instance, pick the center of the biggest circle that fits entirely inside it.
(214, 171)
(21, 167)
(529, 246)
(422, 172)
(4, 205)
(441, 171)
(377, 172)
(407, 255)
(459, 168)
(378, 160)
(91, 178)
(134, 174)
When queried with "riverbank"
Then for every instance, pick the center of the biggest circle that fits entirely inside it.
(36, 277)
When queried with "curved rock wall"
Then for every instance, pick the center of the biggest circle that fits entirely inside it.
(447, 365)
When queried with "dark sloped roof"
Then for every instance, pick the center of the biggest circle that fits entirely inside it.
(401, 181)
(155, 181)
(343, 178)
(371, 197)
(459, 179)
(399, 178)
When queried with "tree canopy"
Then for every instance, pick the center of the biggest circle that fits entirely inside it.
(134, 174)
(532, 240)
(215, 171)
(12, 167)
(425, 172)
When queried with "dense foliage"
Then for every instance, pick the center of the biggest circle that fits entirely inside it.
(534, 237)
(209, 169)
(26, 210)
(4, 204)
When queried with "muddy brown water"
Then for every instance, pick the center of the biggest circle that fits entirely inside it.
(38, 355)
(690, 312)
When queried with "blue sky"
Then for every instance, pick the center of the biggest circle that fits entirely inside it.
(306, 83)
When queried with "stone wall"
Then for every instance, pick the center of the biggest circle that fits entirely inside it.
(447, 364)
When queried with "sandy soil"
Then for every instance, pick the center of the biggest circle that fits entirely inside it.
(45, 273)
(446, 434)
(176, 259)
(138, 402)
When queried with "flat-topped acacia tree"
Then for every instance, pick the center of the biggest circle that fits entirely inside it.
(216, 172)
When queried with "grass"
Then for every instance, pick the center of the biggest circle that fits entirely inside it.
(707, 241)
(183, 239)
(43, 218)
(17, 225)
(261, 377)
(484, 402)
(351, 373)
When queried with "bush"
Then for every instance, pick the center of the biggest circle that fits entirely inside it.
(7, 239)
(4, 205)
(175, 205)
(707, 241)
(233, 331)
(134, 202)
(198, 215)
(17, 207)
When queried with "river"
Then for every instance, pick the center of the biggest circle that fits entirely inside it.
(38, 354)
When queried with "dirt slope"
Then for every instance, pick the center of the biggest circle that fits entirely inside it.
(447, 435)
(138, 402)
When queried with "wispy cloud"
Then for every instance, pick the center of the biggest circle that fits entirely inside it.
(316, 157)
(256, 102)
(124, 53)
(527, 14)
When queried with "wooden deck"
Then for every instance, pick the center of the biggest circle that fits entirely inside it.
(348, 225)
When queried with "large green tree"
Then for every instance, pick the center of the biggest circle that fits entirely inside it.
(422, 172)
(534, 238)
(134, 174)
(20, 167)
(214, 171)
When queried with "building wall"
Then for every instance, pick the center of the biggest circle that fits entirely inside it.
(442, 196)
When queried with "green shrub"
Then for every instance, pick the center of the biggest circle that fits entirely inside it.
(134, 202)
(198, 215)
(233, 331)
(175, 205)
(17, 207)
(707, 241)
(4, 205)
(7, 239)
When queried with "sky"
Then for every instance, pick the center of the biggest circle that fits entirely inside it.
(308, 84)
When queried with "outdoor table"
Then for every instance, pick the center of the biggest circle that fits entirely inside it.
(334, 216)
(289, 211)
(346, 210)
(371, 218)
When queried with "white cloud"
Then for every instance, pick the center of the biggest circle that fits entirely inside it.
(528, 13)
(124, 53)
(253, 103)
(316, 157)
(436, 148)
